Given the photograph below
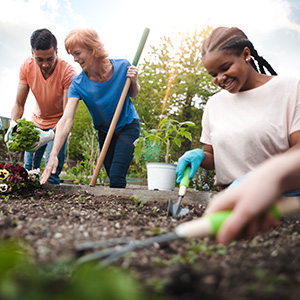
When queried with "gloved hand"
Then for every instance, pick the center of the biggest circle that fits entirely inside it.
(10, 130)
(236, 181)
(193, 158)
(45, 137)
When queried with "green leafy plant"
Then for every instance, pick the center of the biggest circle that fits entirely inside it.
(83, 171)
(24, 136)
(21, 277)
(169, 134)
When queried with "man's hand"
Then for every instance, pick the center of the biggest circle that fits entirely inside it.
(45, 137)
(10, 130)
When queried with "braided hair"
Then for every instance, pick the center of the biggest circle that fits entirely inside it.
(234, 40)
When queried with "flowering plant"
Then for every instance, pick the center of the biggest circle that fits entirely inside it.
(13, 177)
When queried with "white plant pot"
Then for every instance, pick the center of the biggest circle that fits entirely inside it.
(161, 176)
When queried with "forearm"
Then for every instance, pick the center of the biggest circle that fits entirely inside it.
(287, 170)
(134, 89)
(17, 112)
(208, 162)
(18, 108)
(62, 130)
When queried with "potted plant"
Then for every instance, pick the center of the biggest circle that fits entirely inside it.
(161, 170)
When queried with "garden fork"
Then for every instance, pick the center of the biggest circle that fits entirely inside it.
(208, 225)
(118, 248)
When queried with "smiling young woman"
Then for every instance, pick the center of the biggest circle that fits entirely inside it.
(254, 117)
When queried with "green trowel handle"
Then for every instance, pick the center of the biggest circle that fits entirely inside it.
(185, 179)
(184, 183)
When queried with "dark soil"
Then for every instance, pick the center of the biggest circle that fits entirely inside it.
(55, 223)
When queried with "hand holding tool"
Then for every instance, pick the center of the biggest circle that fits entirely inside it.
(175, 209)
(210, 224)
(193, 158)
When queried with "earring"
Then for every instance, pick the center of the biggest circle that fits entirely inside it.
(248, 59)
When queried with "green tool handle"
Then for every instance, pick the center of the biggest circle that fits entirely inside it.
(141, 46)
(211, 224)
(184, 183)
(185, 179)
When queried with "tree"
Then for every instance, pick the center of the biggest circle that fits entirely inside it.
(175, 84)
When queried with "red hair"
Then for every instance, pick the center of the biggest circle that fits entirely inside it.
(86, 38)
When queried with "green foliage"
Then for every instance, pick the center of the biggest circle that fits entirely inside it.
(174, 83)
(83, 138)
(204, 180)
(22, 279)
(156, 231)
(24, 136)
(167, 137)
(84, 170)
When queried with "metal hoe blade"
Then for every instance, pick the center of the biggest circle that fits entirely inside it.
(175, 209)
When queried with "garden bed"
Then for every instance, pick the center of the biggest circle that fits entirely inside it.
(54, 222)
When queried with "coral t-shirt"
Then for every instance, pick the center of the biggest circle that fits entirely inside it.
(249, 127)
(48, 92)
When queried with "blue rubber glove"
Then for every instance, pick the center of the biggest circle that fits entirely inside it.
(191, 158)
(235, 182)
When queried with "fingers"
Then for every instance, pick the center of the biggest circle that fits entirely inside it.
(50, 169)
(132, 72)
(193, 170)
(236, 227)
(222, 201)
(182, 164)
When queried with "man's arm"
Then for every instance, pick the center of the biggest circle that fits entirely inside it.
(18, 109)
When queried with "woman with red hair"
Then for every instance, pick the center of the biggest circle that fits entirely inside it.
(100, 85)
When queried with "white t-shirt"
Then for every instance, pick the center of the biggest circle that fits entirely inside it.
(249, 127)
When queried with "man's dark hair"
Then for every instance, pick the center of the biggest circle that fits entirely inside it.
(43, 39)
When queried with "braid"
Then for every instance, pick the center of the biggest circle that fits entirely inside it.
(262, 63)
(234, 40)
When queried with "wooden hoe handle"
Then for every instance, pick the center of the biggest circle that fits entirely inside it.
(118, 110)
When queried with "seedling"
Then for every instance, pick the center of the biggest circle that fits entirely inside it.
(138, 204)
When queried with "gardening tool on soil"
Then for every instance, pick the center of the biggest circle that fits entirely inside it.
(118, 109)
(199, 228)
(175, 209)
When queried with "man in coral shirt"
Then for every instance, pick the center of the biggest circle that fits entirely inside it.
(49, 78)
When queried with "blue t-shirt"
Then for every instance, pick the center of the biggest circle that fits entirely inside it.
(101, 98)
